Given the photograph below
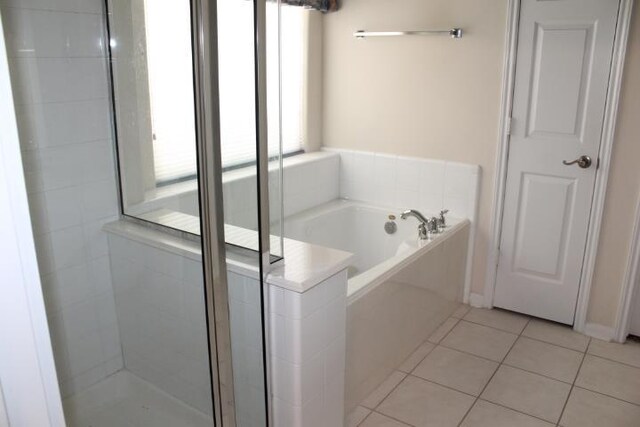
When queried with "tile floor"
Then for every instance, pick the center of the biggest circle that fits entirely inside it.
(493, 368)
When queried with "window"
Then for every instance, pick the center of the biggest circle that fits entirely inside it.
(172, 111)
(169, 68)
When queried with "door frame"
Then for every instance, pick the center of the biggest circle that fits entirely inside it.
(630, 286)
(604, 156)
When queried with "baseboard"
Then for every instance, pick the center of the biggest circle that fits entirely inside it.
(600, 332)
(476, 300)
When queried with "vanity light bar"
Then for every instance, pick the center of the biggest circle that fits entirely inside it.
(454, 33)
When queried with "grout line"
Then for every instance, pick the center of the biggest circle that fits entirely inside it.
(539, 374)
(566, 401)
(557, 345)
(389, 416)
(447, 334)
(494, 374)
(607, 395)
(614, 361)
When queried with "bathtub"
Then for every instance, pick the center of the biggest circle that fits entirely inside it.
(400, 288)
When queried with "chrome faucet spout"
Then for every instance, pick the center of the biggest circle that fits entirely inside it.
(414, 213)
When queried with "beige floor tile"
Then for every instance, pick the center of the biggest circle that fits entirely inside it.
(526, 392)
(424, 404)
(417, 356)
(556, 333)
(628, 352)
(486, 414)
(610, 378)
(443, 330)
(457, 370)
(499, 319)
(588, 409)
(545, 359)
(480, 340)
(379, 420)
(356, 416)
(383, 390)
(461, 311)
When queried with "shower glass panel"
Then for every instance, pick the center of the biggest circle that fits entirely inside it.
(173, 152)
(154, 107)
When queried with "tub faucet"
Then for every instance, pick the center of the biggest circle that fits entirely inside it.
(424, 222)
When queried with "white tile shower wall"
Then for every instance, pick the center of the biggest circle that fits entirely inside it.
(56, 52)
(308, 353)
(246, 349)
(309, 180)
(161, 313)
(409, 182)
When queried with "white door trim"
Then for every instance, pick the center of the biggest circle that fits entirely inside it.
(629, 283)
(602, 175)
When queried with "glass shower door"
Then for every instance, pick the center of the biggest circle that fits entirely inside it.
(192, 167)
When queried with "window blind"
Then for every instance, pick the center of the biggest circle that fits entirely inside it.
(171, 85)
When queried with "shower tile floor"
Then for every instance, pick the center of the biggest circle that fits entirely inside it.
(493, 368)
(125, 400)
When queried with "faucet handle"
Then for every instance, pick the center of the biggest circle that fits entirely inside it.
(442, 221)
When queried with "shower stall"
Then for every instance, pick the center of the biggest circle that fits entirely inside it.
(132, 117)
(205, 257)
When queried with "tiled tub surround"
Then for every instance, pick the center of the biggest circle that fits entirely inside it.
(400, 310)
(488, 368)
(400, 288)
(310, 179)
(159, 300)
(59, 78)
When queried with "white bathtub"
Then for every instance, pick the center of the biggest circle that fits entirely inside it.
(400, 288)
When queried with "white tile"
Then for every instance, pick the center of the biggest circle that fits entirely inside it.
(384, 170)
(486, 414)
(85, 352)
(382, 391)
(480, 340)
(588, 409)
(443, 330)
(416, 357)
(432, 175)
(99, 200)
(70, 79)
(527, 392)
(68, 247)
(461, 311)
(297, 384)
(357, 416)
(408, 173)
(54, 34)
(460, 371)
(499, 319)
(557, 334)
(63, 208)
(628, 353)
(545, 359)
(457, 179)
(421, 403)
(379, 420)
(610, 378)
(364, 164)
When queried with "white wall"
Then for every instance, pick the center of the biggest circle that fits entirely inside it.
(623, 191)
(57, 60)
(162, 317)
(430, 97)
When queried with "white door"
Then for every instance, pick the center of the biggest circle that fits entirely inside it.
(562, 71)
